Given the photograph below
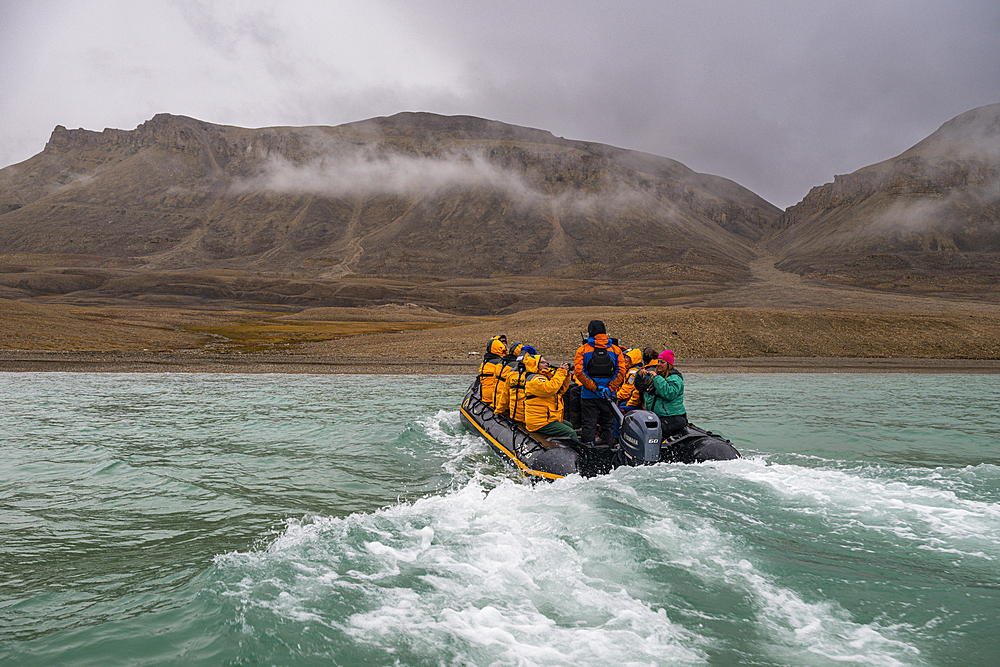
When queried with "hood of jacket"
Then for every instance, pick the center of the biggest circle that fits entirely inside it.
(634, 356)
(531, 362)
(599, 341)
(497, 347)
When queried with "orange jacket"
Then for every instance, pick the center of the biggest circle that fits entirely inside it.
(583, 354)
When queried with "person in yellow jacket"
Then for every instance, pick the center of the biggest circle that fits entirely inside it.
(511, 361)
(489, 370)
(510, 397)
(649, 361)
(543, 398)
(634, 360)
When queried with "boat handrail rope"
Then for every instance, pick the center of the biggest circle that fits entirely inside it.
(520, 440)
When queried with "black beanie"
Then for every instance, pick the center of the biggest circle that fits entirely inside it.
(596, 327)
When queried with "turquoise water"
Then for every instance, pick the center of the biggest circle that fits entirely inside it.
(318, 520)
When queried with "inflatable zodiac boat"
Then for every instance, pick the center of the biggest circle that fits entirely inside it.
(538, 457)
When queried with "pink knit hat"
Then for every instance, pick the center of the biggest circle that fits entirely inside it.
(667, 356)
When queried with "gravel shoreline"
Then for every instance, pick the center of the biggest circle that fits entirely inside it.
(199, 362)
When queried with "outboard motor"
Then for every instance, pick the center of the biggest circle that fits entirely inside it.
(639, 436)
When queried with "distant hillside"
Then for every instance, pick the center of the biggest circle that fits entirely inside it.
(469, 215)
(927, 219)
(415, 197)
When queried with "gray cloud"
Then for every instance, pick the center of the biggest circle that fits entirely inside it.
(361, 173)
(918, 215)
(371, 172)
(778, 97)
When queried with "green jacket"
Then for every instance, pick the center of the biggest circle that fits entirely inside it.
(665, 395)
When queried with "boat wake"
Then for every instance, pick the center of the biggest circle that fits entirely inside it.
(667, 564)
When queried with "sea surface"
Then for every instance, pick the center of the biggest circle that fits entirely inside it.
(185, 519)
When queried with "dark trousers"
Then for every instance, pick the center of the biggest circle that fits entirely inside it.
(595, 412)
(671, 425)
(558, 429)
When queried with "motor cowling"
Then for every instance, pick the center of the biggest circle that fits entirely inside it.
(639, 436)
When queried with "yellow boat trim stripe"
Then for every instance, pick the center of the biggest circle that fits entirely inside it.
(493, 441)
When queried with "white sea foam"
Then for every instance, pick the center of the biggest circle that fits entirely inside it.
(800, 628)
(494, 571)
(502, 577)
(547, 575)
(440, 427)
(926, 516)
(799, 632)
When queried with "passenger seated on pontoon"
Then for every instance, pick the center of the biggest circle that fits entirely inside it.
(665, 394)
(496, 347)
(543, 398)
(508, 365)
(510, 398)
(650, 361)
(628, 390)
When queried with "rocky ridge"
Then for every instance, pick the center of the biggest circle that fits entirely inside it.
(183, 193)
(926, 219)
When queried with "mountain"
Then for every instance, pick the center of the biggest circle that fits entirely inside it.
(928, 219)
(472, 216)
(374, 209)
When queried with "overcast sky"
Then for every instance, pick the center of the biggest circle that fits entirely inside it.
(777, 96)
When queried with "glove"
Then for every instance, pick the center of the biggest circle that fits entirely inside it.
(606, 393)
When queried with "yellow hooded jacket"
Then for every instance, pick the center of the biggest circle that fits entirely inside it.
(543, 394)
(634, 357)
(507, 367)
(490, 369)
(510, 398)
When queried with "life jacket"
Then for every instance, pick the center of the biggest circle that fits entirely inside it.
(508, 366)
(507, 386)
(517, 382)
(623, 362)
